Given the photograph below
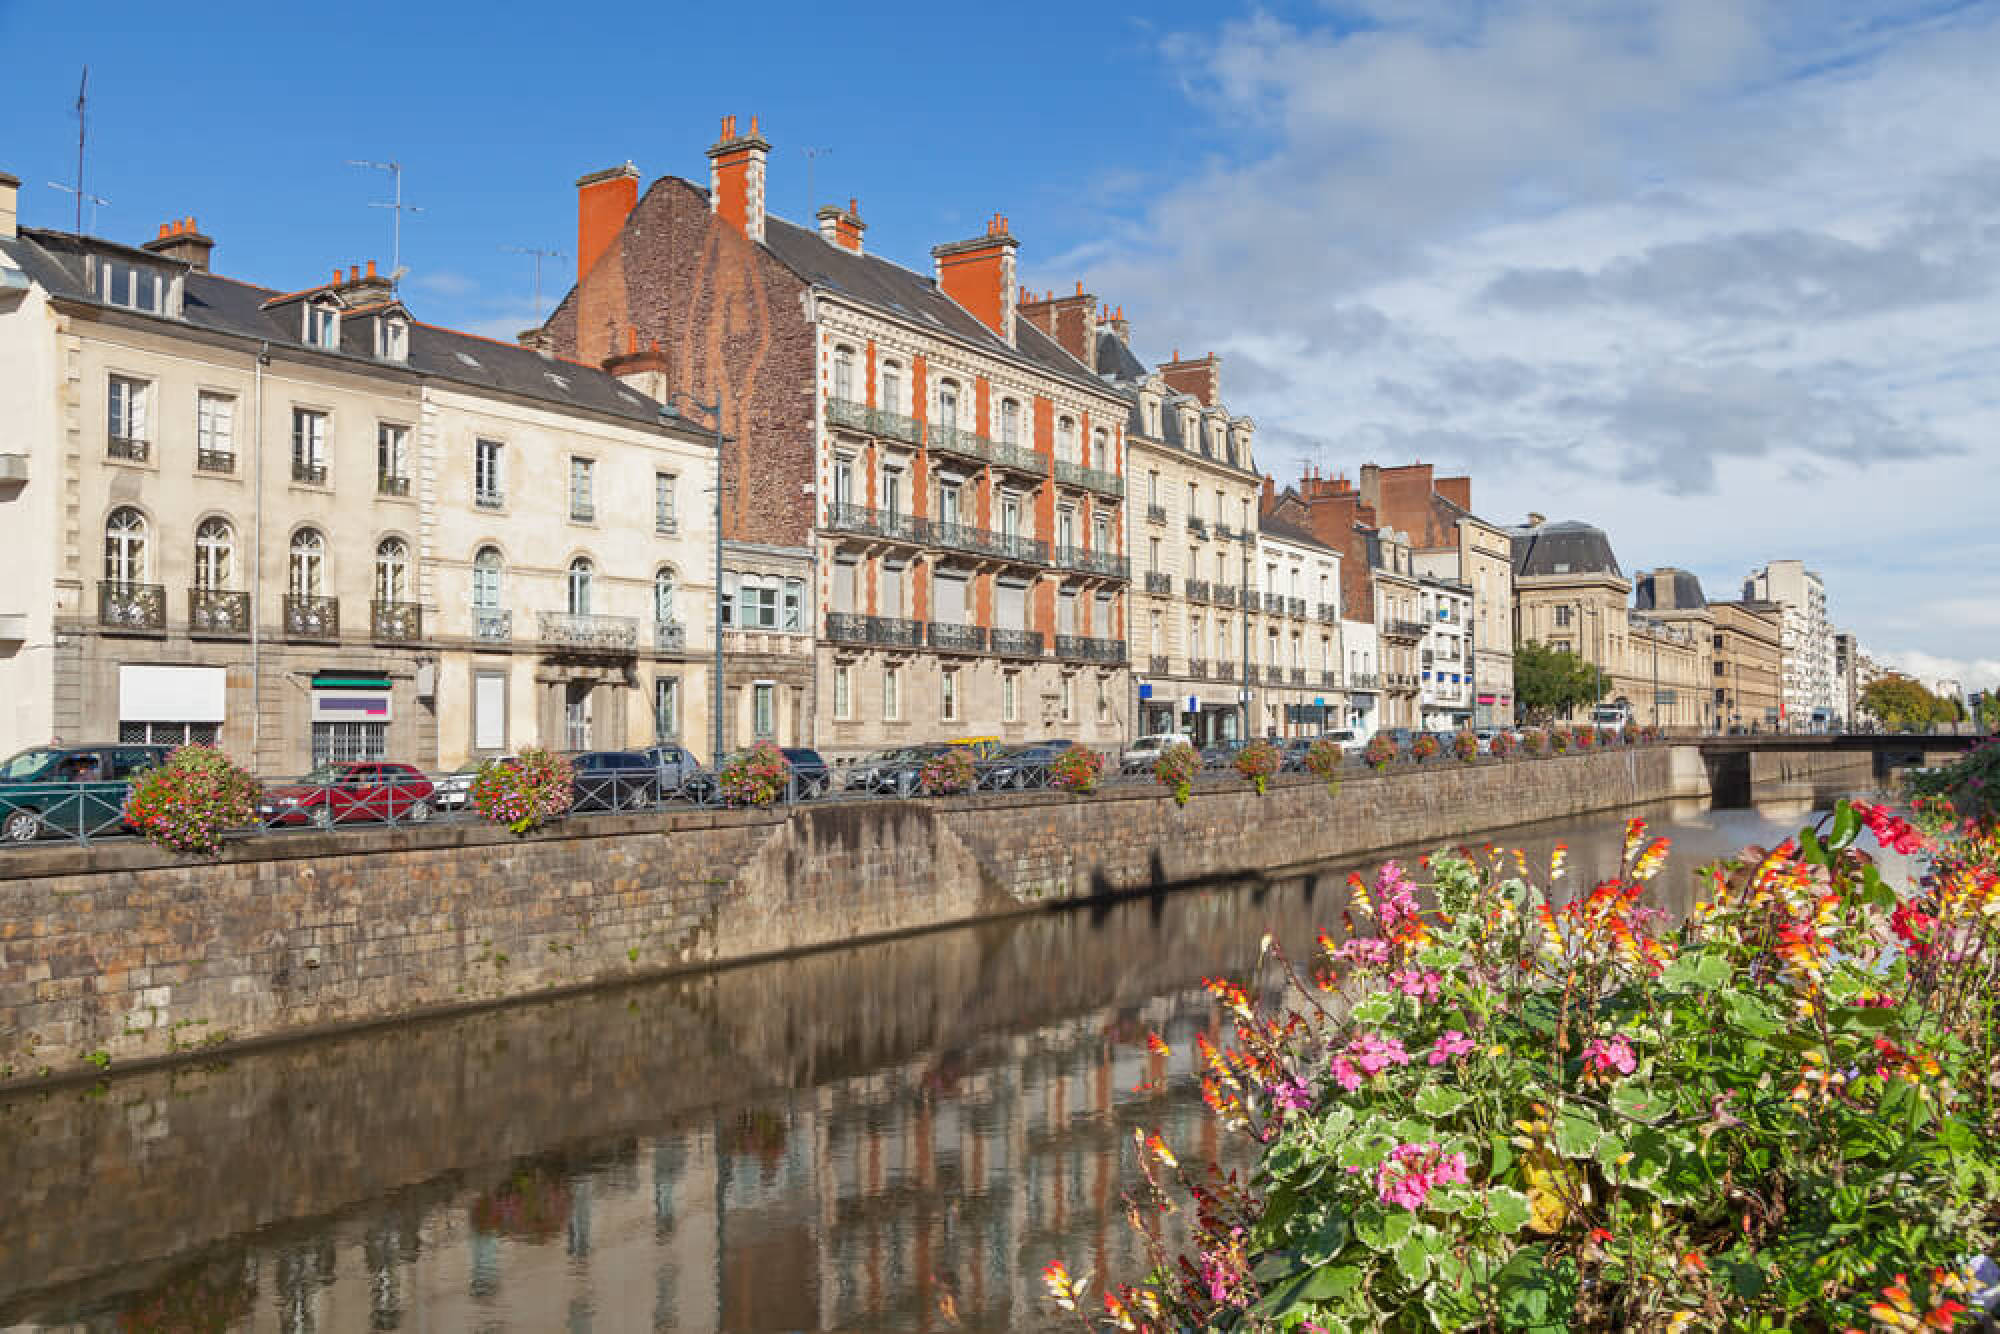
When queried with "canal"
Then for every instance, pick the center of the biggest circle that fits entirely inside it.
(892, 1137)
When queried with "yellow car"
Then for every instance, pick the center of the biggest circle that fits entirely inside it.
(982, 747)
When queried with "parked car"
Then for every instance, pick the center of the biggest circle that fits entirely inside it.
(454, 790)
(981, 747)
(895, 772)
(612, 780)
(336, 794)
(810, 775)
(70, 790)
(673, 765)
(1402, 736)
(1144, 753)
(1220, 755)
(1350, 741)
(1019, 768)
(1292, 753)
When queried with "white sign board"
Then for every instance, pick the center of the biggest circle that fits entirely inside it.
(150, 694)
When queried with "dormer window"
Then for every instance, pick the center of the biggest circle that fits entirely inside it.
(392, 339)
(322, 325)
(1153, 419)
(132, 286)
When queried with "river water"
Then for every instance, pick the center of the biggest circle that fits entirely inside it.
(892, 1137)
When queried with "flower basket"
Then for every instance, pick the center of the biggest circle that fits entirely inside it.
(1077, 770)
(1584, 737)
(1533, 742)
(187, 803)
(1465, 747)
(524, 793)
(755, 777)
(1558, 740)
(1501, 746)
(1257, 762)
(1380, 752)
(1175, 771)
(947, 773)
(1424, 747)
(1324, 759)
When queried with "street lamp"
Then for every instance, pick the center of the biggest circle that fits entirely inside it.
(670, 412)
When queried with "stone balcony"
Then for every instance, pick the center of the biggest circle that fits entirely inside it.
(615, 636)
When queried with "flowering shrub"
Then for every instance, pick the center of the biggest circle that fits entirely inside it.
(1175, 770)
(1648, 732)
(1532, 742)
(524, 793)
(1257, 762)
(1503, 1112)
(1465, 746)
(1077, 770)
(1423, 746)
(755, 777)
(186, 804)
(947, 772)
(1379, 752)
(1630, 734)
(1583, 737)
(1502, 744)
(1558, 740)
(1970, 784)
(1324, 759)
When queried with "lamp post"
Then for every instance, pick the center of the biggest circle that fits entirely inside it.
(670, 411)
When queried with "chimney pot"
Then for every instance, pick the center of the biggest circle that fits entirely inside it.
(736, 179)
(336, 275)
(163, 229)
(1079, 287)
(854, 206)
(371, 268)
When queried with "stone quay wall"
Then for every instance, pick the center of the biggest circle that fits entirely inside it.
(120, 954)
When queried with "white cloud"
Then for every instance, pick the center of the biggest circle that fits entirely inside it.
(1717, 275)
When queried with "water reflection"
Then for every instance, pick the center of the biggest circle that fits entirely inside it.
(893, 1137)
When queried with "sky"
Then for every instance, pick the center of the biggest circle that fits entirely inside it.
(1717, 275)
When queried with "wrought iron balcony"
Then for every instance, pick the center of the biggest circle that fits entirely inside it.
(895, 426)
(1222, 671)
(959, 443)
(589, 634)
(1363, 681)
(1084, 648)
(846, 412)
(132, 606)
(1295, 607)
(1250, 673)
(1328, 613)
(397, 622)
(1197, 525)
(983, 542)
(1029, 550)
(493, 625)
(846, 627)
(1017, 643)
(1157, 665)
(214, 460)
(1396, 629)
(1198, 668)
(1156, 513)
(217, 611)
(1090, 479)
(1298, 676)
(125, 447)
(1274, 603)
(489, 500)
(387, 484)
(1018, 458)
(1224, 595)
(1329, 680)
(582, 511)
(1197, 590)
(312, 474)
(670, 637)
(1093, 562)
(957, 638)
(1159, 581)
(311, 617)
(1223, 531)
(890, 524)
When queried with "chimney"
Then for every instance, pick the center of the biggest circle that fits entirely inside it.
(1116, 322)
(842, 227)
(1070, 320)
(979, 275)
(603, 201)
(362, 289)
(1458, 490)
(10, 196)
(182, 242)
(736, 178)
(538, 339)
(1371, 485)
(643, 369)
(1200, 376)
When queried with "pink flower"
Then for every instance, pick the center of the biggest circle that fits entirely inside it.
(1450, 1045)
(1422, 987)
(1602, 1058)
(1364, 951)
(1292, 1095)
(1366, 1056)
(1411, 1171)
(1396, 895)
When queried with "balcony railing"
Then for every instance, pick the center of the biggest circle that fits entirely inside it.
(1093, 562)
(1250, 673)
(214, 460)
(670, 637)
(312, 474)
(1159, 581)
(895, 426)
(892, 524)
(846, 627)
(1363, 681)
(217, 611)
(589, 634)
(1018, 458)
(1224, 595)
(957, 638)
(1157, 664)
(1090, 479)
(1404, 629)
(1017, 643)
(1223, 531)
(980, 541)
(1329, 680)
(959, 443)
(1083, 648)
(1328, 613)
(1197, 525)
(1298, 676)
(1295, 607)
(125, 447)
(846, 412)
(1156, 513)
(489, 500)
(582, 511)
(132, 606)
(1198, 668)
(1222, 670)
(397, 622)
(1030, 550)
(388, 485)
(311, 617)
(1197, 590)
(1274, 603)
(492, 625)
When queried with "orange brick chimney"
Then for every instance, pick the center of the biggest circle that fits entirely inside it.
(979, 275)
(603, 201)
(181, 240)
(1070, 320)
(736, 178)
(1200, 376)
(842, 226)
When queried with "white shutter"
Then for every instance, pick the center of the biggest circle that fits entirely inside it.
(489, 711)
(843, 585)
(1010, 606)
(950, 609)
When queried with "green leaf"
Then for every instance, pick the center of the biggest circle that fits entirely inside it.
(1868, 1016)
(1413, 1256)
(1435, 1100)
(1327, 1241)
(1846, 824)
(1750, 1014)
(1380, 1229)
(1375, 1009)
(1577, 1133)
(1507, 1209)
(1503, 1157)
(1440, 958)
(1636, 1100)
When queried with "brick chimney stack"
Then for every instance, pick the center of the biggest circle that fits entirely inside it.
(842, 227)
(1200, 376)
(736, 178)
(1115, 320)
(979, 275)
(178, 240)
(603, 201)
(1070, 320)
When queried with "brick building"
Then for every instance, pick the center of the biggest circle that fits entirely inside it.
(949, 477)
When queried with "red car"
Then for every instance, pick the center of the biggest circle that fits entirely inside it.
(337, 794)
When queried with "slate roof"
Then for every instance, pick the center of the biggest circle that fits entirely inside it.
(224, 305)
(1115, 360)
(1291, 532)
(1683, 593)
(1568, 547)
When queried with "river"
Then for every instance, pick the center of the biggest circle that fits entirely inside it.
(891, 1137)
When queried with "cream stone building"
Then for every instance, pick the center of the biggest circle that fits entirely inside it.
(307, 527)
(1299, 665)
(1748, 665)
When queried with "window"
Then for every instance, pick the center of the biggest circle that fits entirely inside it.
(1153, 488)
(948, 696)
(665, 519)
(215, 432)
(663, 596)
(214, 554)
(1194, 501)
(392, 459)
(795, 602)
(306, 573)
(322, 325)
(843, 703)
(486, 568)
(1066, 440)
(843, 374)
(167, 734)
(1153, 420)
(1010, 514)
(486, 484)
(392, 570)
(892, 490)
(581, 572)
(1100, 448)
(576, 715)
(130, 286)
(763, 710)
(489, 711)
(947, 403)
(1100, 526)
(1103, 703)
(1010, 692)
(392, 340)
(1010, 422)
(1068, 698)
(1562, 617)
(892, 386)
(349, 743)
(308, 446)
(125, 546)
(666, 708)
(947, 502)
(843, 480)
(1066, 527)
(582, 490)
(892, 693)
(128, 409)
(1153, 555)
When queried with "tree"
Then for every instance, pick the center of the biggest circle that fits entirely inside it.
(1989, 710)
(1548, 681)
(1901, 703)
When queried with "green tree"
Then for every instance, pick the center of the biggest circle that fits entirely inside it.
(1901, 703)
(1549, 681)
(1989, 710)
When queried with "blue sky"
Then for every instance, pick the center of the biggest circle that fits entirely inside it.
(1720, 275)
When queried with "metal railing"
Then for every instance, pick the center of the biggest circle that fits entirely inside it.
(583, 511)
(588, 634)
(1198, 668)
(846, 412)
(1295, 607)
(1093, 562)
(1197, 590)
(1223, 531)
(1363, 681)
(670, 637)
(1158, 664)
(1018, 458)
(959, 443)
(312, 474)
(1274, 603)
(1084, 648)
(1159, 581)
(1224, 595)
(1090, 479)
(1329, 680)
(218, 611)
(957, 638)
(1156, 513)
(129, 448)
(396, 622)
(1298, 676)
(1328, 613)
(311, 617)
(489, 500)
(1197, 526)
(846, 627)
(984, 542)
(1250, 673)
(390, 485)
(492, 625)
(1404, 629)
(214, 460)
(1017, 643)
(122, 606)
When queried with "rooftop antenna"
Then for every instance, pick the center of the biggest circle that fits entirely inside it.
(81, 195)
(812, 196)
(395, 170)
(540, 255)
(82, 91)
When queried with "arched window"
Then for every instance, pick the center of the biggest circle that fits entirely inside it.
(214, 554)
(947, 403)
(664, 586)
(307, 575)
(581, 572)
(843, 374)
(125, 546)
(392, 570)
(1010, 421)
(486, 567)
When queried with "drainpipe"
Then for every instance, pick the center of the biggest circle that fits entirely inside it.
(257, 562)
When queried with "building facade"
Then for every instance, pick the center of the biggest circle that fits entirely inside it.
(1748, 666)
(1299, 667)
(308, 528)
(1807, 639)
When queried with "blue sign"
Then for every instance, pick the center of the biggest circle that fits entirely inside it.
(1194, 704)
(1145, 690)
(1318, 702)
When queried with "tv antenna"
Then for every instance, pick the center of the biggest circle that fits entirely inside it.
(812, 197)
(82, 99)
(395, 170)
(540, 254)
(96, 201)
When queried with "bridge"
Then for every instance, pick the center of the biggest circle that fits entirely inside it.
(1736, 764)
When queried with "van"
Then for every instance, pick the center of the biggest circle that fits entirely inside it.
(982, 747)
